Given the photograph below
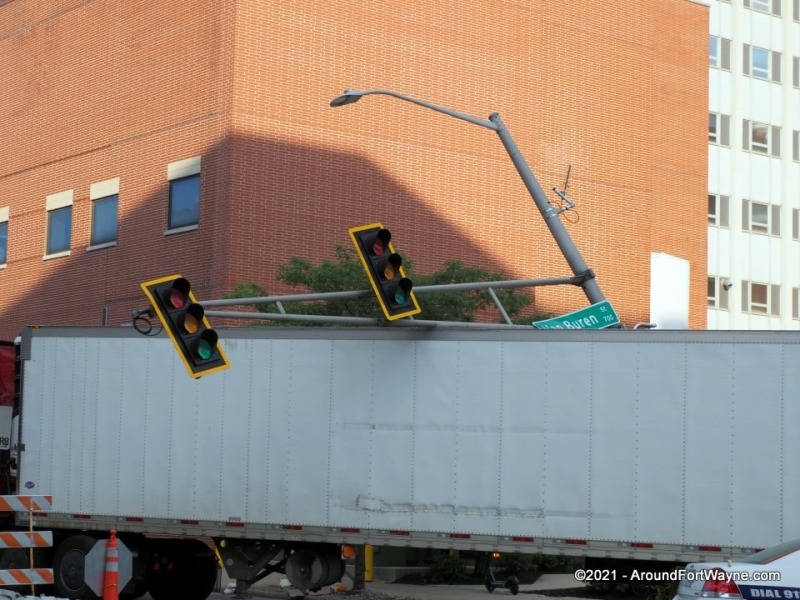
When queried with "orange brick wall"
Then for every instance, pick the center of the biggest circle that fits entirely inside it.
(119, 89)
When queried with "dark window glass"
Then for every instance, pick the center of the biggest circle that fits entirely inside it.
(184, 201)
(3, 242)
(59, 227)
(104, 220)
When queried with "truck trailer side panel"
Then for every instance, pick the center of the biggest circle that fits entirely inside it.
(663, 437)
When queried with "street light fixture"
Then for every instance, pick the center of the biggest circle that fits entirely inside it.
(549, 213)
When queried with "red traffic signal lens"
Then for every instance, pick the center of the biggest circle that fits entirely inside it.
(176, 298)
(381, 242)
(178, 294)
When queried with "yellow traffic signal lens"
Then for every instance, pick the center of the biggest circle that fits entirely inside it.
(193, 319)
(392, 267)
(191, 324)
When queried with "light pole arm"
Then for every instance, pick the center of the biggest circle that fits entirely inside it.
(350, 96)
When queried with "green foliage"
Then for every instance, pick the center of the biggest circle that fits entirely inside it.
(345, 273)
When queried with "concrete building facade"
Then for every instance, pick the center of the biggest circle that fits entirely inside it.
(143, 139)
(754, 165)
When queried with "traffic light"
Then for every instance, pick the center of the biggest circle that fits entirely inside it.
(183, 318)
(385, 271)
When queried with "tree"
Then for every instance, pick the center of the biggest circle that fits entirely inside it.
(346, 273)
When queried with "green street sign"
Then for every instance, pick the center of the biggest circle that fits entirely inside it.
(596, 316)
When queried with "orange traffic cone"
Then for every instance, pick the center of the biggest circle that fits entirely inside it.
(111, 576)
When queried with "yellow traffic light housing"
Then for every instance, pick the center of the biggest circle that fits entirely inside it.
(184, 320)
(385, 272)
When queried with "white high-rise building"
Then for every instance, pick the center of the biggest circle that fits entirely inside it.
(754, 165)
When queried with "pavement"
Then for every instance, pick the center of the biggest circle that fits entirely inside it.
(269, 587)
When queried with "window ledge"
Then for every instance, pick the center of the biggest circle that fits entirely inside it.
(57, 255)
(3, 266)
(181, 229)
(101, 246)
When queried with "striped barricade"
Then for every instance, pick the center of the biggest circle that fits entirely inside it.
(26, 577)
(26, 539)
(25, 503)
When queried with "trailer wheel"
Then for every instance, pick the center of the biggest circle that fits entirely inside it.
(13, 558)
(68, 567)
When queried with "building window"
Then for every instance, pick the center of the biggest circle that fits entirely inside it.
(761, 63)
(719, 129)
(758, 217)
(718, 292)
(795, 71)
(3, 236)
(765, 6)
(59, 224)
(105, 206)
(184, 194)
(796, 303)
(796, 145)
(719, 52)
(796, 10)
(761, 299)
(761, 138)
(718, 210)
(104, 220)
(796, 223)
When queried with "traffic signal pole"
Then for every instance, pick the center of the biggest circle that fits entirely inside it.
(550, 214)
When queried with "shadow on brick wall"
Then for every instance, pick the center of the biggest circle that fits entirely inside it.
(263, 202)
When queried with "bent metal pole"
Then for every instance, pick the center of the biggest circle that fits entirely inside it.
(550, 214)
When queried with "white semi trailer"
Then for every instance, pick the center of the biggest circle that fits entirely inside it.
(658, 445)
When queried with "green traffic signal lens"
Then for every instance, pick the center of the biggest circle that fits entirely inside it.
(206, 344)
(402, 291)
(204, 350)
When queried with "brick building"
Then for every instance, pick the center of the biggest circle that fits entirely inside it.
(108, 105)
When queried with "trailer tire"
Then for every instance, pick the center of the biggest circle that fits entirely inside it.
(68, 567)
(13, 558)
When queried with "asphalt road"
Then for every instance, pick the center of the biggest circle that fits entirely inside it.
(380, 590)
